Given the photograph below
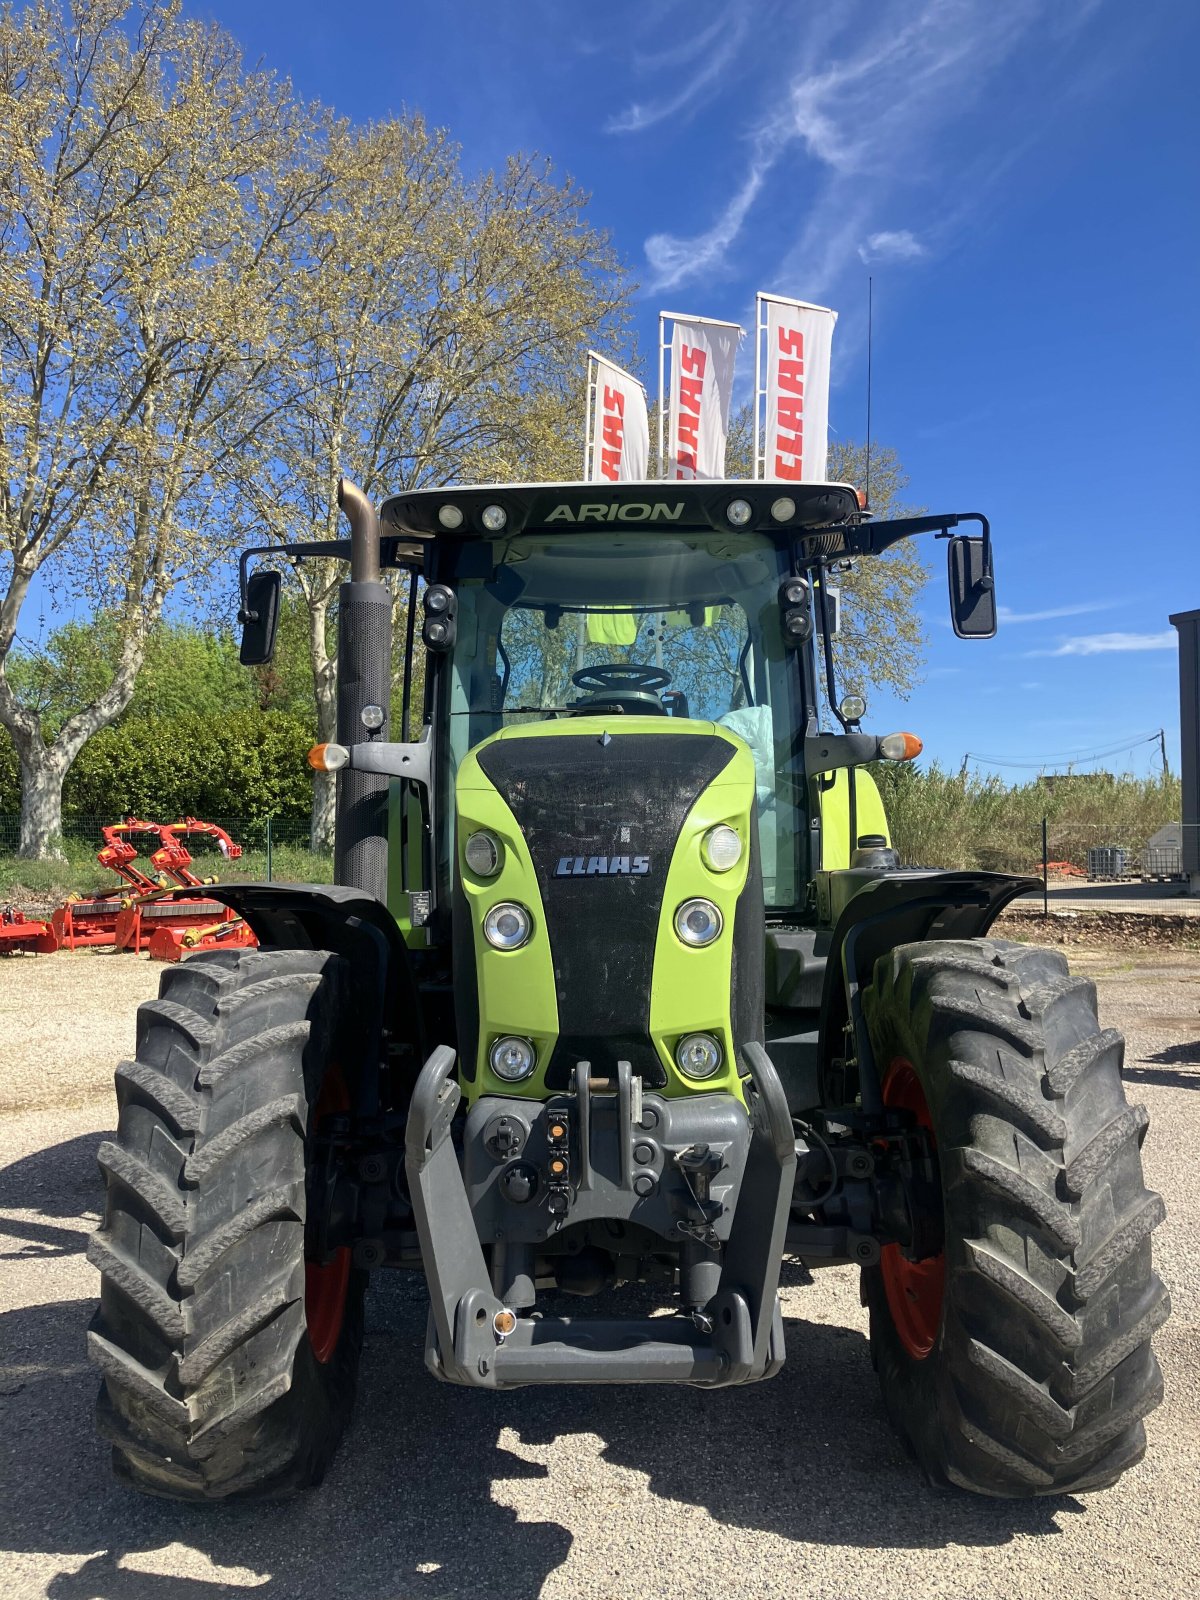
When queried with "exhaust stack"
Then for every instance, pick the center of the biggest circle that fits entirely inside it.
(364, 679)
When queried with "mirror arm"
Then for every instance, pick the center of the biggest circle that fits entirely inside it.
(826, 752)
(986, 529)
(411, 760)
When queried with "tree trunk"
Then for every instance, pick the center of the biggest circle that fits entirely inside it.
(320, 833)
(42, 775)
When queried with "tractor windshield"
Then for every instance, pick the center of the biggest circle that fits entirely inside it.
(678, 624)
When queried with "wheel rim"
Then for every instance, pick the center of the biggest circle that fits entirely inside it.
(914, 1289)
(326, 1284)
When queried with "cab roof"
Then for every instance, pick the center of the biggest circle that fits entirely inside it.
(658, 503)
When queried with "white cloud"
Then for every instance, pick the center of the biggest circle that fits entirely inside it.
(634, 118)
(1098, 644)
(1007, 614)
(870, 99)
(901, 245)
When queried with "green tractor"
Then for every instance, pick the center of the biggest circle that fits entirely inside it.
(621, 994)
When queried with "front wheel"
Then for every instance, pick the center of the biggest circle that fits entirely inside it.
(1013, 1345)
(229, 1360)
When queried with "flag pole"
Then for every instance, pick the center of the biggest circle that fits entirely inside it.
(758, 363)
(588, 441)
(662, 359)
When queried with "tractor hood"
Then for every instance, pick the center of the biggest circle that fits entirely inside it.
(600, 824)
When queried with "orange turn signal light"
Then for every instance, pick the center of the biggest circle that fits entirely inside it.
(328, 757)
(861, 496)
(900, 746)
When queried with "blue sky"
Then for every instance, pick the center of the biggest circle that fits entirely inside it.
(1019, 177)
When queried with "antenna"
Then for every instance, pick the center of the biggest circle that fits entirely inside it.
(870, 311)
(1162, 745)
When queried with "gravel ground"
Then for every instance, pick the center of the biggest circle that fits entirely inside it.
(791, 1488)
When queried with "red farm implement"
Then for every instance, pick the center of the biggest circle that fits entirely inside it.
(20, 934)
(147, 915)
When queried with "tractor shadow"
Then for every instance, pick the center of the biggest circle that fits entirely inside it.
(808, 1456)
(410, 1506)
(407, 1509)
(1167, 1073)
(62, 1182)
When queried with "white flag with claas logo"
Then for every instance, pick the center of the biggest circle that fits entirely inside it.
(619, 440)
(799, 341)
(703, 353)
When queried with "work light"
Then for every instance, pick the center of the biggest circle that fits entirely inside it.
(697, 922)
(450, 517)
(506, 926)
(371, 717)
(739, 512)
(512, 1058)
(698, 1055)
(721, 848)
(853, 708)
(482, 852)
(783, 509)
(494, 518)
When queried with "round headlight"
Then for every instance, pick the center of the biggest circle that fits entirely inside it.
(482, 853)
(783, 509)
(506, 926)
(739, 512)
(371, 717)
(721, 848)
(450, 517)
(697, 922)
(494, 518)
(698, 1055)
(853, 707)
(512, 1059)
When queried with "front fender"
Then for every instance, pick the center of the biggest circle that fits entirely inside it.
(880, 910)
(387, 1003)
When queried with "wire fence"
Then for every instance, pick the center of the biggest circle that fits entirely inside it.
(1080, 866)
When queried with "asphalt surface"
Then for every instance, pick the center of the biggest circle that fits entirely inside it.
(791, 1488)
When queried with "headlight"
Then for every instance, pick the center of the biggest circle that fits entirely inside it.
(721, 848)
(697, 922)
(482, 854)
(512, 1059)
(506, 926)
(698, 1055)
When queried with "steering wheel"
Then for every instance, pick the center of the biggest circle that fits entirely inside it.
(621, 675)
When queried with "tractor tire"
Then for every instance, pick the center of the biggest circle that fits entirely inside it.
(229, 1364)
(1018, 1361)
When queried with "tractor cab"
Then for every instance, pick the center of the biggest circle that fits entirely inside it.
(686, 603)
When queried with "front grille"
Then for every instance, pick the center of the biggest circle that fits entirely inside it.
(622, 795)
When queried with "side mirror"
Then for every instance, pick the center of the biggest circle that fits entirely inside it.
(259, 617)
(972, 588)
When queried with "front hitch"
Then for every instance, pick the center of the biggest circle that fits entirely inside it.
(475, 1338)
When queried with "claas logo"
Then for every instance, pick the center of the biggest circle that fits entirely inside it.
(602, 867)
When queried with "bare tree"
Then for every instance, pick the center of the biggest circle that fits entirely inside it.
(438, 335)
(148, 190)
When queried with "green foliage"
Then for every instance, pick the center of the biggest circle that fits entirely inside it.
(188, 669)
(963, 820)
(247, 763)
